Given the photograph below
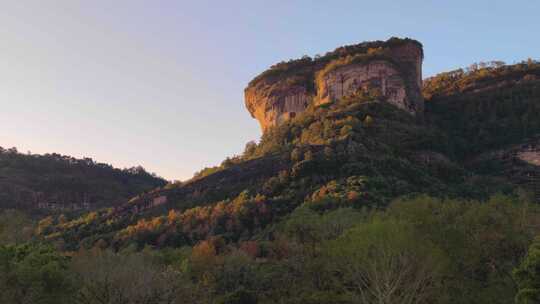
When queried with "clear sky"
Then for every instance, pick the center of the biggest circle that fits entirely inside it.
(160, 83)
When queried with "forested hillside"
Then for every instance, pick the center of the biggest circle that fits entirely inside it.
(356, 153)
(359, 152)
(486, 106)
(350, 202)
(57, 183)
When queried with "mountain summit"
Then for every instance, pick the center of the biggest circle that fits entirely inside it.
(391, 69)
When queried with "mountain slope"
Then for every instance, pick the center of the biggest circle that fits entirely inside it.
(485, 108)
(358, 152)
(53, 183)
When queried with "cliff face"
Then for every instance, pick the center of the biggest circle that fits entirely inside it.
(392, 68)
(349, 79)
(280, 102)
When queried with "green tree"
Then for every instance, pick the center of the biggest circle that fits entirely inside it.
(484, 241)
(388, 261)
(527, 276)
(15, 227)
(250, 149)
(106, 277)
(34, 274)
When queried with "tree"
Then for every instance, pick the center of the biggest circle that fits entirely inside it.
(346, 130)
(240, 296)
(105, 277)
(368, 121)
(15, 227)
(527, 276)
(484, 241)
(387, 261)
(296, 155)
(249, 150)
(34, 274)
(308, 155)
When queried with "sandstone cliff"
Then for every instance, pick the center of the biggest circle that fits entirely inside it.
(392, 68)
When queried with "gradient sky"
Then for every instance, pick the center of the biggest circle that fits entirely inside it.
(160, 83)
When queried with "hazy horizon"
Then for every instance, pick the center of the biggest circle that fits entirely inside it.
(161, 84)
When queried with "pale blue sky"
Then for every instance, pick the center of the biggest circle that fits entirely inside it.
(160, 83)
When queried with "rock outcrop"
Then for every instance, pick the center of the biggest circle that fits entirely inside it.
(349, 79)
(392, 69)
(519, 163)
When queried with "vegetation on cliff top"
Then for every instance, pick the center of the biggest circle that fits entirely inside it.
(306, 64)
(371, 55)
(480, 76)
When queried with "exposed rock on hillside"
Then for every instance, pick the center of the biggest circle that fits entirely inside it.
(348, 79)
(519, 163)
(391, 69)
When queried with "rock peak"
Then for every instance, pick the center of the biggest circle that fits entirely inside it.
(393, 68)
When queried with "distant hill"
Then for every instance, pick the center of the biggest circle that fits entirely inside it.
(42, 184)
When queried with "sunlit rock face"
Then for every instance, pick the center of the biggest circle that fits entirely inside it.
(392, 68)
(530, 156)
(277, 105)
(350, 79)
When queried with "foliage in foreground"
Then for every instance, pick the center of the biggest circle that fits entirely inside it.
(420, 250)
(528, 276)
